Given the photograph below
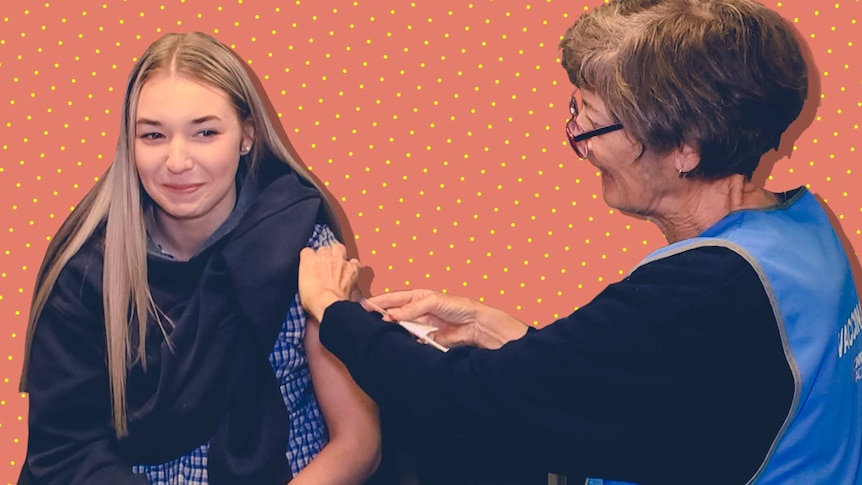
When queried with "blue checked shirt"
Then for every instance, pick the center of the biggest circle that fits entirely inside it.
(308, 433)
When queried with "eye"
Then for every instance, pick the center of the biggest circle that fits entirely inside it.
(152, 136)
(208, 133)
(590, 123)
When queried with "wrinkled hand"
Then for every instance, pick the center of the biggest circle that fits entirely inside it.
(326, 276)
(459, 320)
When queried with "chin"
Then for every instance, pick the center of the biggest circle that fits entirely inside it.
(180, 211)
(610, 196)
(614, 202)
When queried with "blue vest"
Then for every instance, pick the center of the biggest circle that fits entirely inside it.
(805, 272)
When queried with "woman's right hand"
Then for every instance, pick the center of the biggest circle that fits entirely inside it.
(326, 276)
(459, 320)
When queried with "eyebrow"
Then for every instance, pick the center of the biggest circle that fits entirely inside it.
(196, 121)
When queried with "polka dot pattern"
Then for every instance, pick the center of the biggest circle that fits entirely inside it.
(438, 127)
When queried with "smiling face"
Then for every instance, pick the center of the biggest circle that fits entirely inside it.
(631, 182)
(188, 141)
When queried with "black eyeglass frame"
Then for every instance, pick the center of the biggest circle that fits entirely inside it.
(572, 129)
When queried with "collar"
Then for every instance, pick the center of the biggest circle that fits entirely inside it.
(247, 190)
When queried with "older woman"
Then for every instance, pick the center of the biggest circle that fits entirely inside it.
(729, 356)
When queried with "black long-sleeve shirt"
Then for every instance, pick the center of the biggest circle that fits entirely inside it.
(676, 374)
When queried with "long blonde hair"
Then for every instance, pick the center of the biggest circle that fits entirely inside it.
(116, 199)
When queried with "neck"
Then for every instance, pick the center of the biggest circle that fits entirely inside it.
(183, 238)
(705, 202)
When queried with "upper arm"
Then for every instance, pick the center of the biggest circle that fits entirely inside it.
(345, 407)
(348, 411)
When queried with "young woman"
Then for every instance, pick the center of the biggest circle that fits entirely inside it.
(166, 341)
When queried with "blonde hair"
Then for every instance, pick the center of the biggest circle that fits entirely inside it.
(116, 199)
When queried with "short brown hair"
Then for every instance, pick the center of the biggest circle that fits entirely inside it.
(725, 76)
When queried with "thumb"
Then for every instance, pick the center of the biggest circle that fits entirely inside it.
(415, 309)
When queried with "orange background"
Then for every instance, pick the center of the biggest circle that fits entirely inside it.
(437, 125)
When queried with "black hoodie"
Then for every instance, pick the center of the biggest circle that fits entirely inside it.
(216, 385)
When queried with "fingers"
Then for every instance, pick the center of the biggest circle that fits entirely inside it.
(371, 307)
(336, 249)
(336, 252)
(398, 298)
(412, 310)
(415, 304)
(326, 276)
(449, 337)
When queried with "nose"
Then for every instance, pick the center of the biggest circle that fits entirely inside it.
(178, 159)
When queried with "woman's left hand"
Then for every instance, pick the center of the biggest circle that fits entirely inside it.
(326, 276)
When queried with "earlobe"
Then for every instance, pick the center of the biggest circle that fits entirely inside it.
(247, 138)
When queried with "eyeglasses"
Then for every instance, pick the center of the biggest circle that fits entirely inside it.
(578, 137)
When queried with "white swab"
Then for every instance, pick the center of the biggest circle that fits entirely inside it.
(419, 330)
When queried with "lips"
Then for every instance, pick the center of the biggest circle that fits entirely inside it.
(181, 188)
(602, 170)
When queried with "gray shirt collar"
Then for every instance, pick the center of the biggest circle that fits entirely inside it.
(247, 189)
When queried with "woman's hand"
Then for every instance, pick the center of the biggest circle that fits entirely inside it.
(326, 276)
(459, 320)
